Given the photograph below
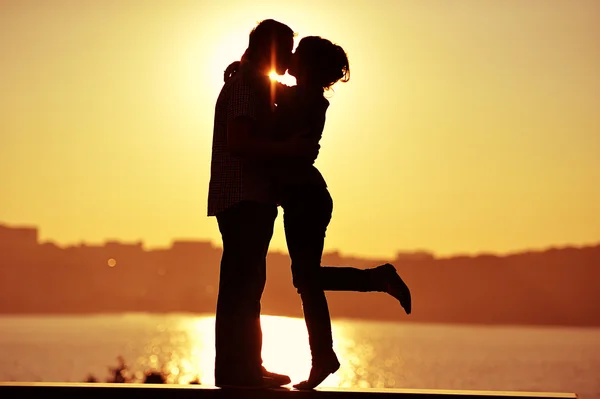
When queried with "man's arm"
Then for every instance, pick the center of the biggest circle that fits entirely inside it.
(241, 142)
(241, 119)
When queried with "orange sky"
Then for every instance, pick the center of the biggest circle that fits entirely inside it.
(467, 126)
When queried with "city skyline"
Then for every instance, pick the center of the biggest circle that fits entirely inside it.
(556, 286)
(113, 240)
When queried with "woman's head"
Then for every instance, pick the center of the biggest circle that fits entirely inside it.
(318, 61)
(270, 46)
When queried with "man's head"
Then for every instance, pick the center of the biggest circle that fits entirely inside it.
(270, 46)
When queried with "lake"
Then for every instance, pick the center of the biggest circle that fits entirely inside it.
(373, 354)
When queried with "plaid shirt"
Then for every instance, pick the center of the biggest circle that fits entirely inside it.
(233, 179)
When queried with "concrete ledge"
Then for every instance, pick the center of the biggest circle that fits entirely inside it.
(9, 390)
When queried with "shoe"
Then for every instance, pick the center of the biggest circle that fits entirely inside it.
(385, 278)
(318, 373)
(280, 379)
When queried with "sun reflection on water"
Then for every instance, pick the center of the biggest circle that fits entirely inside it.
(285, 350)
(373, 354)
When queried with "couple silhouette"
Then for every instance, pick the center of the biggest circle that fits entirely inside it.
(265, 142)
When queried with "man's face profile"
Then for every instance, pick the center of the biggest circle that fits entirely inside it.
(283, 55)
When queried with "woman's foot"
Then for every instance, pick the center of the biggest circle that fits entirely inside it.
(319, 371)
(385, 279)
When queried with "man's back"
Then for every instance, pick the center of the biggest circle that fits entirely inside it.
(233, 179)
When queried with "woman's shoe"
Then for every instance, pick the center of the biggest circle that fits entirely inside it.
(385, 278)
(319, 371)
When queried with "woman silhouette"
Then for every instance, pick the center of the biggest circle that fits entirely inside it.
(317, 65)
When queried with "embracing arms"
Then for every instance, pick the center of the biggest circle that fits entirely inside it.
(241, 125)
(241, 142)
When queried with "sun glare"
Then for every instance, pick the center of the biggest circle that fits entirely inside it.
(286, 79)
(285, 349)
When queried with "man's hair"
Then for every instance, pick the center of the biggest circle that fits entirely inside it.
(260, 42)
(264, 35)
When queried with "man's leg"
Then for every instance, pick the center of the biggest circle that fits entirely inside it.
(246, 230)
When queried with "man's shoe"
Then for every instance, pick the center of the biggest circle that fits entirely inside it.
(280, 379)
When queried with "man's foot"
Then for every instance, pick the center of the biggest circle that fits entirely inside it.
(385, 279)
(280, 379)
(318, 373)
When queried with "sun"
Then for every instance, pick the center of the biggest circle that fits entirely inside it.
(286, 79)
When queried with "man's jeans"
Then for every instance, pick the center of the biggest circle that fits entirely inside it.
(246, 230)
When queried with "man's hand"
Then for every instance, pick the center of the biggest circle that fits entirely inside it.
(242, 143)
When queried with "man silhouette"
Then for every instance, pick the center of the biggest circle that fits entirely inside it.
(240, 198)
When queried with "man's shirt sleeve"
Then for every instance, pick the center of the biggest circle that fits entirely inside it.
(241, 102)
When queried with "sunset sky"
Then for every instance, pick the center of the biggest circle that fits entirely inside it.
(467, 125)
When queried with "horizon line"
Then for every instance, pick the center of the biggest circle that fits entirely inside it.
(338, 252)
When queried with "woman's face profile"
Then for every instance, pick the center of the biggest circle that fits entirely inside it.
(293, 67)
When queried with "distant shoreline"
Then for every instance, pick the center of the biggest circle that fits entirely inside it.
(555, 287)
(404, 320)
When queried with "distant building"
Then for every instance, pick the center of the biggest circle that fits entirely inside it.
(415, 256)
(112, 244)
(191, 246)
(129, 253)
(18, 237)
